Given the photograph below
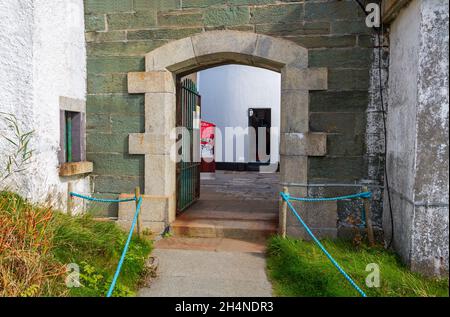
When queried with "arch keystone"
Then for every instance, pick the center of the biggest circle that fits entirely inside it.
(231, 46)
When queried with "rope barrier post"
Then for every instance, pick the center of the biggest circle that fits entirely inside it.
(125, 248)
(69, 198)
(283, 214)
(369, 226)
(137, 193)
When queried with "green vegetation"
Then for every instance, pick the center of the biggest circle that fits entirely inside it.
(36, 244)
(17, 154)
(299, 268)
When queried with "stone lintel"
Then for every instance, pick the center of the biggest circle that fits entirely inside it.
(151, 82)
(149, 143)
(304, 78)
(72, 104)
(75, 168)
(303, 144)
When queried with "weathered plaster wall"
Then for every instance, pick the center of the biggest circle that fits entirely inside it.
(417, 162)
(120, 33)
(16, 65)
(43, 57)
(16, 18)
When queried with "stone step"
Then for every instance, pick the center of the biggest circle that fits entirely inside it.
(212, 244)
(228, 215)
(247, 230)
(235, 205)
(244, 196)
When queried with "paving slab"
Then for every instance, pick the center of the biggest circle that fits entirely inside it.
(196, 273)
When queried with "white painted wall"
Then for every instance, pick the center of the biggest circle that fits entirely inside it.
(417, 144)
(229, 91)
(42, 57)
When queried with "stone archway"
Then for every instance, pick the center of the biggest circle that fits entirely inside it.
(202, 51)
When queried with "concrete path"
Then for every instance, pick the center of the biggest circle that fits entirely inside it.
(184, 273)
(218, 247)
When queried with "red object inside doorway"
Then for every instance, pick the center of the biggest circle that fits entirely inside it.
(207, 132)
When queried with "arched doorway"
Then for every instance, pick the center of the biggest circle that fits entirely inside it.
(167, 63)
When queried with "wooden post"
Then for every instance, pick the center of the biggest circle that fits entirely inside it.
(370, 235)
(283, 214)
(137, 193)
(69, 198)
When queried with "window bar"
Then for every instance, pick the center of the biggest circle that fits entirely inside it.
(69, 137)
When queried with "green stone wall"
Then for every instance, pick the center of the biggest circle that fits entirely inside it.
(120, 32)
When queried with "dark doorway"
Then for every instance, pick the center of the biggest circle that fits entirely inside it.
(261, 118)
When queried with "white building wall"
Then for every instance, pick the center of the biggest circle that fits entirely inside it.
(42, 57)
(229, 91)
(417, 143)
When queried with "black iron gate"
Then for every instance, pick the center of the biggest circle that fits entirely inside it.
(188, 169)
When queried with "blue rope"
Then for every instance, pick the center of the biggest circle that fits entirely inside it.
(125, 249)
(286, 198)
(360, 195)
(102, 200)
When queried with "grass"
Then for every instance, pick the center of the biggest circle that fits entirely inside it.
(299, 268)
(36, 244)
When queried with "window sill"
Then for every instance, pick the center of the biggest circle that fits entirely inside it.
(75, 168)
